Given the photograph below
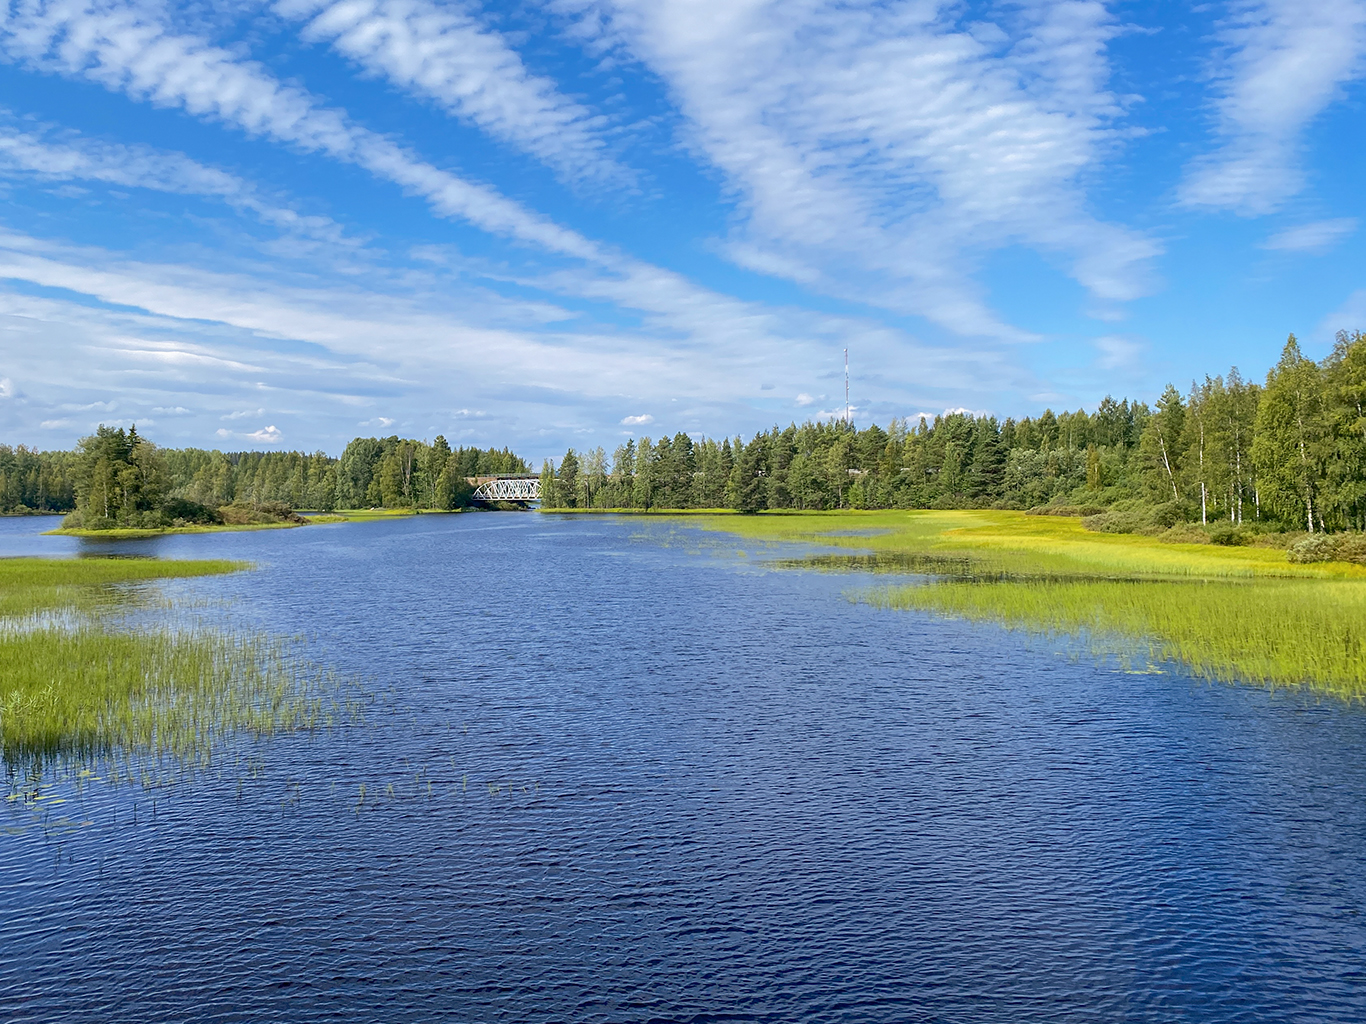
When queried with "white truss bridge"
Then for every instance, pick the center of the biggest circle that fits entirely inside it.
(513, 488)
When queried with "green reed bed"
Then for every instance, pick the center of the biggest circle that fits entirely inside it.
(78, 683)
(88, 691)
(1272, 632)
(32, 585)
(1228, 613)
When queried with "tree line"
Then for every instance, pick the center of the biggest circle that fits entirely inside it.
(117, 478)
(1286, 454)
(1289, 453)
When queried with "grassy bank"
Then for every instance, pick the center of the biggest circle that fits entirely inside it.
(1235, 613)
(162, 531)
(75, 682)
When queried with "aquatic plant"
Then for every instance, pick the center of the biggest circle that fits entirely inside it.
(1228, 613)
(76, 683)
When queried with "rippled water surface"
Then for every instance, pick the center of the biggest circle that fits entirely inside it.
(617, 772)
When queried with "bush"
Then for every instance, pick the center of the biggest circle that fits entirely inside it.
(1169, 514)
(1066, 510)
(1352, 548)
(1184, 533)
(1116, 521)
(1319, 547)
(1228, 534)
(259, 514)
(183, 512)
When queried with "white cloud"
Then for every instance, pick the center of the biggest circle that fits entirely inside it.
(876, 148)
(46, 153)
(804, 399)
(172, 411)
(132, 50)
(176, 335)
(637, 421)
(1285, 61)
(266, 435)
(442, 52)
(1118, 353)
(6, 388)
(55, 424)
(1316, 237)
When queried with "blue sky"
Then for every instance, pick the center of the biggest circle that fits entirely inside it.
(560, 222)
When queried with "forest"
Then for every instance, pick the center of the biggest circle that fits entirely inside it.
(1231, 455)
(118, 479)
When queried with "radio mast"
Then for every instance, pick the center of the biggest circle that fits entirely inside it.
(846, 385)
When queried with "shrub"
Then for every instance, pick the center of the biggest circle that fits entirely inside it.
(259, 514)
(183, 512)
(1228, 534)
(1115, 521)
(1319, 547)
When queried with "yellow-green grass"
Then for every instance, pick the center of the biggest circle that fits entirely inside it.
(641, 511)
(75, 683)
(1309, 633)
(32, 585)
(1012, 542)
(162, 531)
(362, 515)
(1225, 612)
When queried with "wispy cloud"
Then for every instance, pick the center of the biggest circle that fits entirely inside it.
(637, 421)
(131, 49)
(444, 53)
(1284, 62)
(875, 149)
(45, 152)
(1320, 236)
(220, 343)
(1118, 353)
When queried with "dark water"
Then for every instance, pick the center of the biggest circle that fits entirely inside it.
(723, 793)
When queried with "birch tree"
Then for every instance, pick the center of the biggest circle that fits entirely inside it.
(1288, 448)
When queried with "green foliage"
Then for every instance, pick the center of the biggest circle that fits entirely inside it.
(1290, 446)
(34, 481)
(117, 480)
(1236, 457)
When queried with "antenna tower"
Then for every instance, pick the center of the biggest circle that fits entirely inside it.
(846, 386)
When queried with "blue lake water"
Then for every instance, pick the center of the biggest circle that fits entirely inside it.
(638, 777)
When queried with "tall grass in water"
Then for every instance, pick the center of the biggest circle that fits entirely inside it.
(76, 685)
(1225, 612)
(88, 691)
(1278, 633)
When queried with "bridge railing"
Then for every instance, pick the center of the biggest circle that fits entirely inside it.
(509, 488)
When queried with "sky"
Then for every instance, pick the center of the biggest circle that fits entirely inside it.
(280, 225)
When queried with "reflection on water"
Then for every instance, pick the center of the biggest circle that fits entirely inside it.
(608, 779)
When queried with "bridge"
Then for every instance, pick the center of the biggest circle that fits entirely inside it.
(511, 488)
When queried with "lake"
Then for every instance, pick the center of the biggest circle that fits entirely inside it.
(616, 770)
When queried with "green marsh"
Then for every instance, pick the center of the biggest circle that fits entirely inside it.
(79, 680)
(1235, 613)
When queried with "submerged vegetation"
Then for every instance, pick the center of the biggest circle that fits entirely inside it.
(80, 680)
(1226, 613)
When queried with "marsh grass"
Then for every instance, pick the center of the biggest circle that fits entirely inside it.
(1226, 613)
(1275, 633)
(79, 685)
